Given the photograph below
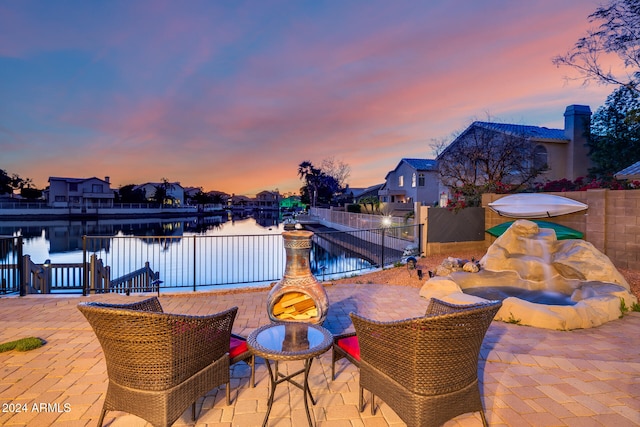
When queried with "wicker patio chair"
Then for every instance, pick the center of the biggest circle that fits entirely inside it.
(346, 346)
(426, 368)
(158, 363)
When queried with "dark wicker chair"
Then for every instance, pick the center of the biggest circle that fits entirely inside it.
(158, 363)
(426, 368)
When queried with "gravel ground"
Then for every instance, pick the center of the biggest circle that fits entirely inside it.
(405, 277)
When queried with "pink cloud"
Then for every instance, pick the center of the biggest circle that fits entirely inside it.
(228, 100)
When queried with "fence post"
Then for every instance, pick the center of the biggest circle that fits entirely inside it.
(46, 273)
(26, 278)
(85, 267)
(382, 257)
(92, 274)
(21, 269)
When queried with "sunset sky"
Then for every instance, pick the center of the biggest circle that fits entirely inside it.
(234, 95)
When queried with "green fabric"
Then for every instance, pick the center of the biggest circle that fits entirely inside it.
(562, 232)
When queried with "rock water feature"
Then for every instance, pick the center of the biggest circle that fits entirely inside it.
(544, 282)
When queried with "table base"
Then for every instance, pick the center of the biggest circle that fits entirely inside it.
(276, 378)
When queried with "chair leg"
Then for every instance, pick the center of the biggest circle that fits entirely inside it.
(253, 371)
(484, 418)
(193, 411)
(102, 414)
(333, 364)
(373, 403)
(361, 400)
(229, 393)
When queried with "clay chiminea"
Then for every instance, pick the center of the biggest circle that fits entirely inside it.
(298, 296)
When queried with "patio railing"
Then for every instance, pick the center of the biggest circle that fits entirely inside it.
(10, 264)
(150, 263)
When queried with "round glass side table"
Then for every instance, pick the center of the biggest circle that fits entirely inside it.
(286, 341)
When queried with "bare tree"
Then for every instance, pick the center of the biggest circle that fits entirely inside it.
(338, 169)
(161, 194)
(483, 159)
(618, 34)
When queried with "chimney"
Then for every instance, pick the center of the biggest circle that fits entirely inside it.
(106, 178)
(577, 123)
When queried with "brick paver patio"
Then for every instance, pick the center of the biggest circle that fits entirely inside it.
(530, 377)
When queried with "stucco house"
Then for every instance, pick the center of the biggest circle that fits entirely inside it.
(562, 151)
(174, 196)
(79, 193)
(413, 180)
(267, 200)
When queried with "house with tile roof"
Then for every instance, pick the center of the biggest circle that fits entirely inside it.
(174, 192)
(564, 152)
(268, 200)
(83, 193)
(413, 180)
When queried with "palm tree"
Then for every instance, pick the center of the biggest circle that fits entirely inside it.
(312, 176)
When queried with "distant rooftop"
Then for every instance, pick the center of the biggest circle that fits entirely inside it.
(631, 172)
(422, 164)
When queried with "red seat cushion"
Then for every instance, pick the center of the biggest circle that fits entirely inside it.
(351, 346)
(237, 347)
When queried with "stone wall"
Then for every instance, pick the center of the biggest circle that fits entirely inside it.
(611, 224)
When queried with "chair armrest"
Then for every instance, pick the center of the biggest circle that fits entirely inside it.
(338, 337)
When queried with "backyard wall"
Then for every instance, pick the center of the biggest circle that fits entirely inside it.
(447, 232)
(611, 223)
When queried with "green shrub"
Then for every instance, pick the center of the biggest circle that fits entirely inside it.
(23, 344)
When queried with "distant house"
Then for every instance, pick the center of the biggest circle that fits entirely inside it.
(355, 195)
(238, 202)
(267, 200)
(413, 180)
(190, 193)
(79, 193)
(562, 151)
(174, 195)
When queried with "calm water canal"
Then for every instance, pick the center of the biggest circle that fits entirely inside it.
(61, 242)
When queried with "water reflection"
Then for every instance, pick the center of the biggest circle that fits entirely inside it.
(244, 253)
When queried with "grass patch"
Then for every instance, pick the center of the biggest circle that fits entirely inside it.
(23, 344)
(513, 320)
(623, 308)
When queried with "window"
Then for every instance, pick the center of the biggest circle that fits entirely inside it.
(96, 188)
(540, 157)
(401, 181)
(61, 199)
(413, 180)
(73, 186)
(421, 180)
